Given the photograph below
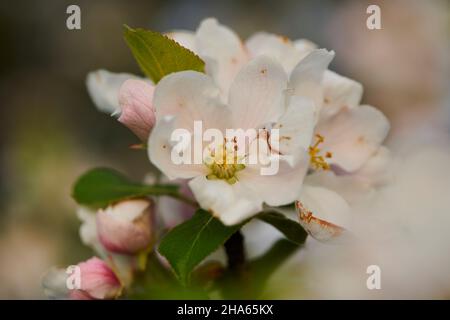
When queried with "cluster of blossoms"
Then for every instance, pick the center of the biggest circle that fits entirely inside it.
(330, 152)
(120, 234)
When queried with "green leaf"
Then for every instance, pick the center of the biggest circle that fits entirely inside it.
(101, 187)
(292, 230)
(158, 56)
(186, 245)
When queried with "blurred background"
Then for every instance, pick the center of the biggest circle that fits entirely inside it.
(50, 131)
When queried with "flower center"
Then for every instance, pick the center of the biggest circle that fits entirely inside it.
(223, 164)
(317, 160)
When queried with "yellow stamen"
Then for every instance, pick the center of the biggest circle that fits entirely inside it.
(318, 161)
(222, 168)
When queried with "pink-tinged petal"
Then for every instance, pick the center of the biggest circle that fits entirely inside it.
(136, 102)
(103, 87)
(126, 227)
(280, 48)
(257, 94)
(160, 148)
(79, 295)
(353, 136)
(98, 280)
(281, 188)
(190, 96)
(307, 76)
(223, 52)
(339, 92)
(296, 127)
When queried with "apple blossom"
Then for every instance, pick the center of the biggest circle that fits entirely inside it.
(124, 95)
(126, 227)
(135, 100)
(225, 54)
(350, 137)
(260, 96)
(97, 281)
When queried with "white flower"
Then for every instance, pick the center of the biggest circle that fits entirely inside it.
(349, 138)
(225, 53)
(260, 95)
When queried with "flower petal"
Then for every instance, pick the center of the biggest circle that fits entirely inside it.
(376, 171)
(323, 213)
(353, 136)
(222, 51)
(136, 102)
(190, 96)
(305, 45)
(88, 230)
(103, 87)
(185, 38)
(257, 94)
(349, 186)
(99, 280)
(279, 48)
(296, 127)
(281, 188)
(160, 152)
(339, 92)
(231, 204)
(306, 78)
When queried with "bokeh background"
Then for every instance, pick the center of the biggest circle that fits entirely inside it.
(50, 131)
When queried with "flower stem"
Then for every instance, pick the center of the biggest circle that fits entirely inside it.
(234, 248)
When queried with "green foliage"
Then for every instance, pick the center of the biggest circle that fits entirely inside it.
(186, 245)
(158, 56)
(291, 229)
(101, 186)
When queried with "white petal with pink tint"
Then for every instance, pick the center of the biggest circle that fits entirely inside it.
(296, 127)
(222, 50)
(306, 78)
(279, 48)
(136, 103)
(191, 96)
(126, 227)
(160, 152)
(257, 94)
(98, 280)
(353, 136)
(103, 87)
(339, 92)
(278, 189)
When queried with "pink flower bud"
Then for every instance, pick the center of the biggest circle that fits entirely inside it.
(98, 281)
(126, 227)
(138, 114)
